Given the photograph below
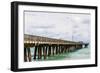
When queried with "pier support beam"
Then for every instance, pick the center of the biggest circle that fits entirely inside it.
(25, 55)
(44, 52)
(29, 54)
(35, 52)
(57, 49)
(49, 51)
(39, 52)
(53, 48)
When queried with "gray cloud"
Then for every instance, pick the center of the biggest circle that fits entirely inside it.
(58, 25)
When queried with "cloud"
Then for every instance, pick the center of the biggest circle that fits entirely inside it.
(58, 25)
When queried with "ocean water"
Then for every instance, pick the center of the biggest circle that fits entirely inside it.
(82, 53)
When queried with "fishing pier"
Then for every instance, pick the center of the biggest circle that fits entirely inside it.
(45, 47)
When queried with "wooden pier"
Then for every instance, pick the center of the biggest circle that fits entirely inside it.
(45, 47)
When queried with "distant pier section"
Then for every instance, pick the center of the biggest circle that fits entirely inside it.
(45, 47)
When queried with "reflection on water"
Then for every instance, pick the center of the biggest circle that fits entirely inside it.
(83, 53)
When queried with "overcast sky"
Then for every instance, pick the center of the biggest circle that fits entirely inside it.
(66, 26)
